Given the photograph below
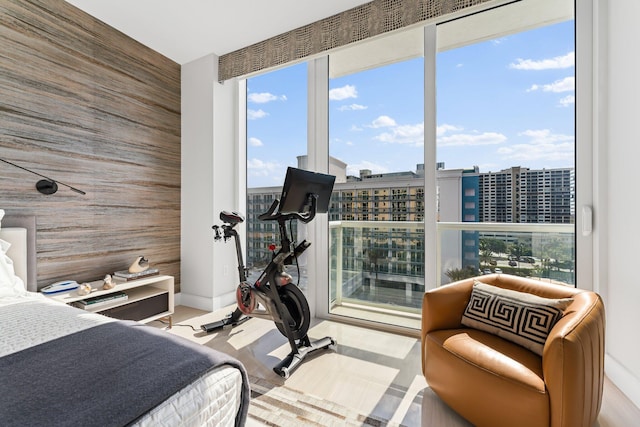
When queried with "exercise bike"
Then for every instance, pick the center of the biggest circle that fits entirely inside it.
(274, 296)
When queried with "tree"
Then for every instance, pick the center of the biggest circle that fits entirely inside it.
(485, 252)
(490, 246)
(455, 274)
(517, 250)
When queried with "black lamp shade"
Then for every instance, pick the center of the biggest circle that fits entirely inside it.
(46, 187)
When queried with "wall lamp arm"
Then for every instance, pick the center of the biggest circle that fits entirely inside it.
(46, 185)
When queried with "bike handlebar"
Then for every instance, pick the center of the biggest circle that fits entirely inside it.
(269, 213)
(305, 217)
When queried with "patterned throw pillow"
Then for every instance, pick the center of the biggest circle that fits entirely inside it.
(522, 318)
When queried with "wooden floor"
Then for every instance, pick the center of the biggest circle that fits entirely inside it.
(372, 372)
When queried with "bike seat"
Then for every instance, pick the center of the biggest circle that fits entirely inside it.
(231, 217)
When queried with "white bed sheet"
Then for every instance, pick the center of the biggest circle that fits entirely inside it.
(31, 319)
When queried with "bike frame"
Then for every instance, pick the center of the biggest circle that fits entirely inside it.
(266, 291)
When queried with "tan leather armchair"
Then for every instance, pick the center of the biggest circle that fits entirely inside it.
(493, 382)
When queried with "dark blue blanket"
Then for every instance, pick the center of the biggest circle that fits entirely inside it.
(108, 375)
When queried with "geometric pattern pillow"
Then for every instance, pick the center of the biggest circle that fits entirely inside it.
(522, 318)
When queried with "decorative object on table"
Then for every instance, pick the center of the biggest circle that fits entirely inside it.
(84, 289)
(108, 282)
(63, 286)
(139, 265)
(126, 276)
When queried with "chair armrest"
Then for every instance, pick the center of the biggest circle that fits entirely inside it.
(573, 362)
(443, 307)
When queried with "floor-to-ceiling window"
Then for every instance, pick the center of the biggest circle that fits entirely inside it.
(276, 139)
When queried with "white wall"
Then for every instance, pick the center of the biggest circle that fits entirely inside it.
(209, 184)
(622, 142)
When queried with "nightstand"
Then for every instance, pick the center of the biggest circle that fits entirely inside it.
(148, 299)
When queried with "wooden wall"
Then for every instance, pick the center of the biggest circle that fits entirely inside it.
(84, 104)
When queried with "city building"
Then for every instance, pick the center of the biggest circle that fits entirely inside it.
(521, 195)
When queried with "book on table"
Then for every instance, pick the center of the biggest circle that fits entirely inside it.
(101, 300)
(125, 275)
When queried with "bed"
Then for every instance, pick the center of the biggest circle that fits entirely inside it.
(64, 366)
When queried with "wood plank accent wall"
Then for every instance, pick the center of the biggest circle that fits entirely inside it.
(82, 103)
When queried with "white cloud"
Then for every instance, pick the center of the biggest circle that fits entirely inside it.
(472, 139)
(444, 128)
(264, 97)
(544, 136)
(255, 142)
(568, 101)
(355, 128)
(256, 167)
(342, 141)
(354, 169)
(447, 135)
(542, 145)
(564, 85)
(555, 63)
(383, 121)
(352, 107)
(404, 134)
(345, 92)
(256, 114)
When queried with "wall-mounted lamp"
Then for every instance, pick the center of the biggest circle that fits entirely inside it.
(46, 185)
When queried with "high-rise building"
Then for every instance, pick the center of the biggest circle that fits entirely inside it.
(533, 196)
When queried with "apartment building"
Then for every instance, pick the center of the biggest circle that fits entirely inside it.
(522, 195)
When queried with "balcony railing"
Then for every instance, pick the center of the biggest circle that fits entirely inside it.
(381, 264)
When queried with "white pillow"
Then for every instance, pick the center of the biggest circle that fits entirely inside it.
(520, 317)
(10, 284)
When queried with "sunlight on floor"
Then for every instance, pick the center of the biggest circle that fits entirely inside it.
(372, 372)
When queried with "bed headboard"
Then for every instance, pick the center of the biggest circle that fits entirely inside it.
(20, 231)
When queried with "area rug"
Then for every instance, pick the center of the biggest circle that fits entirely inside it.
(281, 406)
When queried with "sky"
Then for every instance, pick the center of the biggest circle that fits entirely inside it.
(501, 103)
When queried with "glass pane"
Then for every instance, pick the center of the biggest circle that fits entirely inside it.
(376, 142)
(276, 139)
(505, 152)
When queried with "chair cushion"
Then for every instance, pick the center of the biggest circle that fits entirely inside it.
(519, 317)
(488, 380)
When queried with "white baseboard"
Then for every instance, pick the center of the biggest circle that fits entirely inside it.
(205, 303)
(620, 376)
